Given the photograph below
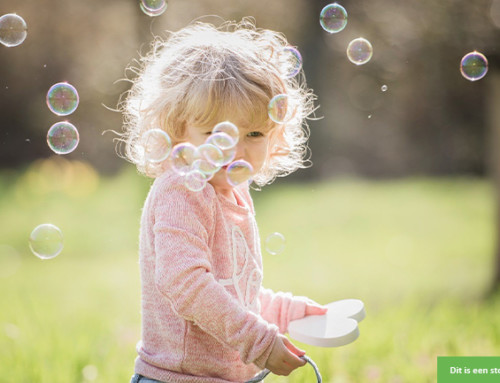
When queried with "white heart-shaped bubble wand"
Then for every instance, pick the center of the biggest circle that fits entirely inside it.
(338, 327)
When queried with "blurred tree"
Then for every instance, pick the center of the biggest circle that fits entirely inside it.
(494, 157)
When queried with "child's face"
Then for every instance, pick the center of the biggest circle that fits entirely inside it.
(252, 146)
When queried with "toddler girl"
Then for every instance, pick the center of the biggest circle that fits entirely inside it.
(205, 315)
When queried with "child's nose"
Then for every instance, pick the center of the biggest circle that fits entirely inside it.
(240, 150)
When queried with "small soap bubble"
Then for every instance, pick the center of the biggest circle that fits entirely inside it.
(229, 128)
(290, 61)
(13, 30)
(157, 145)
(182, 157)
(195, 180)
(63, 137)
(359, 51)
(90, 372)
(238, 172)
(62, 99)
(275, 243)
(210, 158)
(46, 241)
(281, 109)
(383, 88)
(474, 66)
(220, 139)
(153, 7)
(333, 18)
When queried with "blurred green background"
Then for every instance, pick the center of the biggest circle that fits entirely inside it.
(400, 208)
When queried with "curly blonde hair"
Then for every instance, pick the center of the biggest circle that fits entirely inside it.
(202, 75)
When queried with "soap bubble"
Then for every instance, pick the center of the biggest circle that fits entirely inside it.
(63, 137)
(333, 18)
(275, 243)
(359, 51)
(210, 158)
(228, 155)
(195, 180)
(383, 88)
(46, 241)
(229, 128)
(474, 66)
(220, 139)
(291, 61)
(62, 99)
(13, 30)
(90, 372)
(281, 109)
(182, 157)
(157, 145)
(153, 7)
(238, 172)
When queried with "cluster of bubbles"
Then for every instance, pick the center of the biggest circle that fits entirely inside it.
(333, 19)
(198, 164)
(46, 240)
(13, 30)
(474, 66)
(153, 7)
(62, 100)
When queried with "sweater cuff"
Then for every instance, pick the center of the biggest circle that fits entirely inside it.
(261, 361)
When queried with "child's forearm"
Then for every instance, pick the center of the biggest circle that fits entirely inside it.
(281, 308)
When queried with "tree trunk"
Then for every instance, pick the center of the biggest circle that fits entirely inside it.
(494, 150)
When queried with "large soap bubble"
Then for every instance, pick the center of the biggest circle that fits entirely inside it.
(62, 99)
(13, 30)
(46, 241)
(474, 66)
(359, 51)
(333, 18)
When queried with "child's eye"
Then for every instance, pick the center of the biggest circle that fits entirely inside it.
(255, 134)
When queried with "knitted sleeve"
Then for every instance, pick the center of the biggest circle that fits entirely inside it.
(280, 308)
(183, 223)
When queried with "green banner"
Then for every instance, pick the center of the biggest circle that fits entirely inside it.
(468, 369)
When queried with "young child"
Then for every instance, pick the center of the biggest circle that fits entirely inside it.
(205, 315)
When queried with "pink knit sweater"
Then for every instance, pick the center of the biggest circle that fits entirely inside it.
(205, 316)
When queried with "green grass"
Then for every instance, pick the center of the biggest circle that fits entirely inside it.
(418, 252)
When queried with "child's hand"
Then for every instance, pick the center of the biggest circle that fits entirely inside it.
(284, 357)
(313, 308)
